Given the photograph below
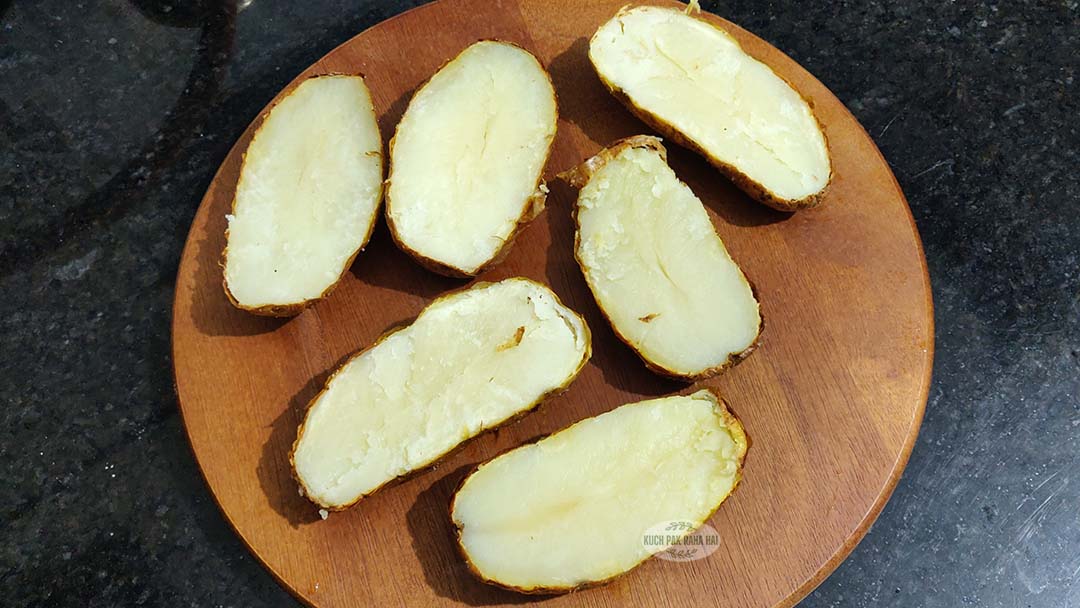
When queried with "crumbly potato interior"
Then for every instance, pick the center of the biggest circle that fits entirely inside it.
(470, 361)
(307, 194)
(572, 509)
(469, 153)
(658, 269)
(697, 79)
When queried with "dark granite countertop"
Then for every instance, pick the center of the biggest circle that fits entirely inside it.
(114, 115)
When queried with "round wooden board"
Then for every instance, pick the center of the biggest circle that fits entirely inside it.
(832, 399)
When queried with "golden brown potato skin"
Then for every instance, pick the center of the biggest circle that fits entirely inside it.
(741, 439)
(752, 189)
(533, 205)
(291, 310)
(578, 177)
(535, 404)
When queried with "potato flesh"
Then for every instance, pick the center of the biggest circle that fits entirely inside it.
(572, 509)
(469, 153)
(307, 194)
(695, 78)
(470, 361)
(658, 269)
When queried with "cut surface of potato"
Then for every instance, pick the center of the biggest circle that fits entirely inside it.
(656, 266)
(571, 510)
(470, 361)
(467, 158)
(693, 82)
(307, 196)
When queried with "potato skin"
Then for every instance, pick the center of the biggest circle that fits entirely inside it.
(293, 309)
(532, 206)
(420, 469)
(578, 177)
(731, 420)
(753, 189)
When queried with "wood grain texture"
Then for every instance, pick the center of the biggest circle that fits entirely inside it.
(832, 399)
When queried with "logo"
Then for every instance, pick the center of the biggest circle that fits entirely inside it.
(681, 541)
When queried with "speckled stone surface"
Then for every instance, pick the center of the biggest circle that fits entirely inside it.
(114, 115)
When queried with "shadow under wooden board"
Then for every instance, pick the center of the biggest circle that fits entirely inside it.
(832, 399)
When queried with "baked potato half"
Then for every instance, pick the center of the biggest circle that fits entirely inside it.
(467, 159)
(694, 84)
(307, 197)
(656, 265)
(470, 361)
(572, 510)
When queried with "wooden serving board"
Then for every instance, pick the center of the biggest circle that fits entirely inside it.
(832, 399)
